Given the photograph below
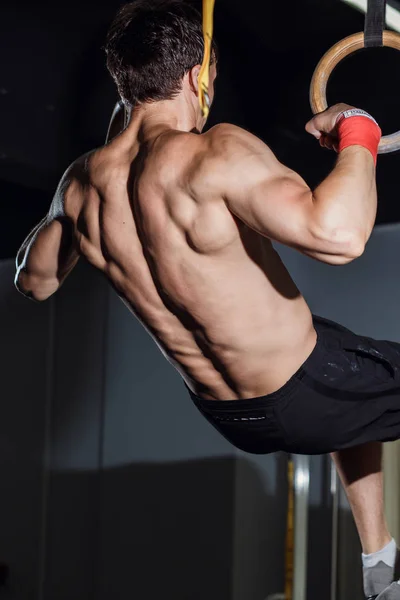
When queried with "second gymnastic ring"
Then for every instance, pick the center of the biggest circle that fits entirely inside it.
(347, 46)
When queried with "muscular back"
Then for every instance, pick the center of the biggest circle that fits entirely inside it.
(211, 291)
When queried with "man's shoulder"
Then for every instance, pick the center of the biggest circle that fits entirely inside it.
(228, 146)
(226, 133)
(69, 190)
(209, 164)
(230, 143)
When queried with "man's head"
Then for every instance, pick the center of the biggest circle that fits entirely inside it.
(154, 49)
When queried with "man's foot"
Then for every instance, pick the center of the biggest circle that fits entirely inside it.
(377, 579)
(380, 574)
(391, 593)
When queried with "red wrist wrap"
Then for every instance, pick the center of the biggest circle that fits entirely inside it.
(359, 131)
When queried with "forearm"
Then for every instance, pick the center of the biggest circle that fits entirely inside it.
(45, 258)
(346, 201)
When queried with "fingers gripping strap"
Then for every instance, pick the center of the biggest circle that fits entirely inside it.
(204, 75)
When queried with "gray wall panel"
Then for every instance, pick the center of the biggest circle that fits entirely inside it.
(168, 478)
(24, 355)
(363, 295)
(259, 526)
(76, 426)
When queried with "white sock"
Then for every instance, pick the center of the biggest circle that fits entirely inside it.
(386, 555)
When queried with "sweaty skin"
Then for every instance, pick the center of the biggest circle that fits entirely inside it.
(181, 224)
(212, 292)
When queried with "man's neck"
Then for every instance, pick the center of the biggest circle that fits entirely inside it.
(148, 121)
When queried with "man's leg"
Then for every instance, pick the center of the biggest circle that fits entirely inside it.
(360, 470)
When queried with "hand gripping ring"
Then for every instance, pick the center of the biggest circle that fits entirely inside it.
(347, 46)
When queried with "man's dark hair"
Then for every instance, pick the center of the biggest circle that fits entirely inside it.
(151, 45)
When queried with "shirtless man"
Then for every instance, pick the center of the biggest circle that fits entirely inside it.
(181, 223)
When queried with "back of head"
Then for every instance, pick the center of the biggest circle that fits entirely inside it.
(150, 46)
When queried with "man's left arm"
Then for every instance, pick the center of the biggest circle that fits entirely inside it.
(49, 253)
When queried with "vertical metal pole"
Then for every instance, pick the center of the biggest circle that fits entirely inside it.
(335, 529)
(301, 495)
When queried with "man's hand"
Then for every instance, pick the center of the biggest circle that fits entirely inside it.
(323, 125)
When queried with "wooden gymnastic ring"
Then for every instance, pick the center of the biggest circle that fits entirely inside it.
(347, 46)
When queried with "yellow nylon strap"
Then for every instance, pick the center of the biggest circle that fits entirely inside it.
(204, 75)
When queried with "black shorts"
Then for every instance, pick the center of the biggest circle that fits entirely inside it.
(346, 393)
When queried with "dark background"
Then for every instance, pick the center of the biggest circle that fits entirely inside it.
(56, 95)
(92, 382)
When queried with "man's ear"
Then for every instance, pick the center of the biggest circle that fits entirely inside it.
(193, 78)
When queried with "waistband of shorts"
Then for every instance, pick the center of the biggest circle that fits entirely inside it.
(269, 399)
